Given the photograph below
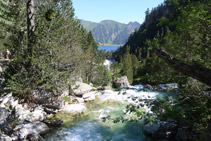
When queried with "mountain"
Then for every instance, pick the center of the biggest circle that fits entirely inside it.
(123, 36)
(88, 25)
(110, 32)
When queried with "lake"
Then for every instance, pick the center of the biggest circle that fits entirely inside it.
(107, 47)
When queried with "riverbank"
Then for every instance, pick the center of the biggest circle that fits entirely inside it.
(21, 120)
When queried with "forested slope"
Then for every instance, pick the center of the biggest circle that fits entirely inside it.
(182, 29)
(49, 49)
(173, 45)
(110, 32)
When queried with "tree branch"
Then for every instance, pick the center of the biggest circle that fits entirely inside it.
(197, 72)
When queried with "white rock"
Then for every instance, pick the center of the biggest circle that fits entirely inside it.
(74, 108)
(81, 88)
(89, 96)
(80, 100)
(24, 113)
(38, 115)
(5, 101)
(5, 138)
(14, 103)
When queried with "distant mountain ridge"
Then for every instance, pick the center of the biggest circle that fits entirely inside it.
(110, 32)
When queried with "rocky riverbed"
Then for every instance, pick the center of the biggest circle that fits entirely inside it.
(22, 121)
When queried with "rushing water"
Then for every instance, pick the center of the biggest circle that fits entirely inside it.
(92, 127)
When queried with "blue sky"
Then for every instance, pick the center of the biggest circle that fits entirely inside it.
(122, 11)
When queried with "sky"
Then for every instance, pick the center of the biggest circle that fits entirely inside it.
(123, 11)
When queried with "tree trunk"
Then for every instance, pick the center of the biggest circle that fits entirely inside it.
(30, 20)
(197, 72)
(30, 32)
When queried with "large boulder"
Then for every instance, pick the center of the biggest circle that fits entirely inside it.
(74, 108)
(79, 89)
(89, 96)
(147, 86)
(55, 99)
(122, 82)
(22, 112)
(162, 130)
(151, 129)
(36, 128)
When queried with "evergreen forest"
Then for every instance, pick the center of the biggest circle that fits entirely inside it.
(174, 45)
(51, 50)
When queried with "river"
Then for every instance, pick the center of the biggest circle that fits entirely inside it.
(92, 127)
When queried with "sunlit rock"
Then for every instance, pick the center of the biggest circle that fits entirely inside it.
(89, 96)
(74, 108)
(80, 88)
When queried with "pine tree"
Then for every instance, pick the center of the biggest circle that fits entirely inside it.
(127, 65)
(52, 52)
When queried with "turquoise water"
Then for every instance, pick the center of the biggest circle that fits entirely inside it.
(93, 128)
(108, 48)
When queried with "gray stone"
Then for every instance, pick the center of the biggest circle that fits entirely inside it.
(52, 100)
(79, 89)
(147, 86)
(4, 113)
(23, 130)
(151, 129)
(53, 123)
(34, 137)
(122, 82)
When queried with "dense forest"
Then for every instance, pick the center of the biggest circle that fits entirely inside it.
(173, 45)
(50, 51)
(181, 28)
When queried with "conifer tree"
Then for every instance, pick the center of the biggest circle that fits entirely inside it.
(127, 65)
(53, 50)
